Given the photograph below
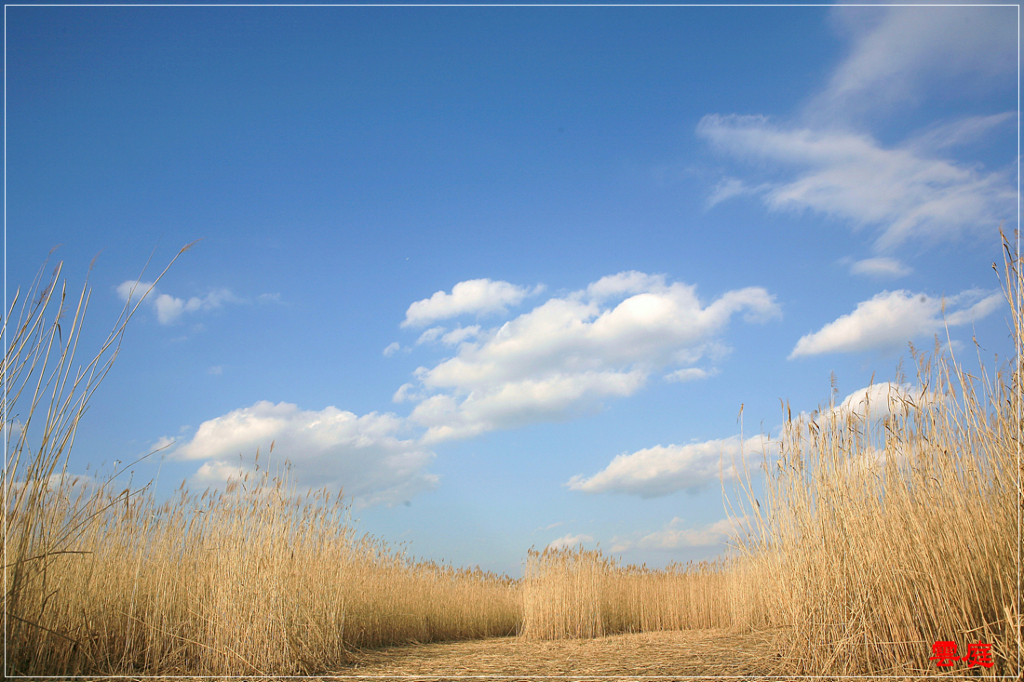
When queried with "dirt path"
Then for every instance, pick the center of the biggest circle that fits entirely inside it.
(691, 653)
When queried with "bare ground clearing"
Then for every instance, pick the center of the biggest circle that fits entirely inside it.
(678, 654)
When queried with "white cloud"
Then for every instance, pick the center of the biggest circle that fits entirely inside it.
(556, 524)
(690, 374)
(160, 444)
(460, 334)
(901, 54)
(903, 192)
(662, 470)
(475, 296)
(678, 534)
(73, 483)
(965, 131)
(132, 291)
(430, 335)
(892, 319)
(215, 370)
(330, 447)
(569, 541)
(515, 403)
(391, 349)
(405, 393)
(729, 188)
(884, 400)
(623, 283)
(169, 309)
(899, 57)
(880, 267)
(567, 354)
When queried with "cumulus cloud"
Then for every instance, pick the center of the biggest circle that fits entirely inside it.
(391, 349)
(567, 541)
(330, 447)
(892, 319)
(515, 403)
(884, 400)
(475, 296)
(902, 192)
(880, 267)
(662, 470)
(169, 309)
(570, 352)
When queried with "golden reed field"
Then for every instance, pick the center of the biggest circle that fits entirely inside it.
(876, 537)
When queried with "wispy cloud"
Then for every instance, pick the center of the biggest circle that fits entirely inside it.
(570, 540)
(679, 534)
(663, 470)
(169, 309)
(902, 192)
(729, 188)
(892, 319)
(475, 296)
(966, 131)
(690, 374)
(556, 524)
(824, 160)
(567, 354)
(460, 334)
(329, 447)
(899, 55)
(880, 267)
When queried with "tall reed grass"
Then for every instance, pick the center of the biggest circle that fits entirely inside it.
(572, 593)
(253, 580)
(894, 526)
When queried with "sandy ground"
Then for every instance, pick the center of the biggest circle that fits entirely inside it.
(664, 655)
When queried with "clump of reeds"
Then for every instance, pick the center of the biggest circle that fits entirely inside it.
(255, 579)
(252, 580)
(893, 526)
(573, 593)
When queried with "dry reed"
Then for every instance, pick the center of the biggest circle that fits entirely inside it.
(572, 593)
(894, 526)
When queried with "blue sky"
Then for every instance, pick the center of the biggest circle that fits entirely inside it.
(506, 275)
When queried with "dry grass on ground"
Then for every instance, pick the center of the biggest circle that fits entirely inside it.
(672, 653)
